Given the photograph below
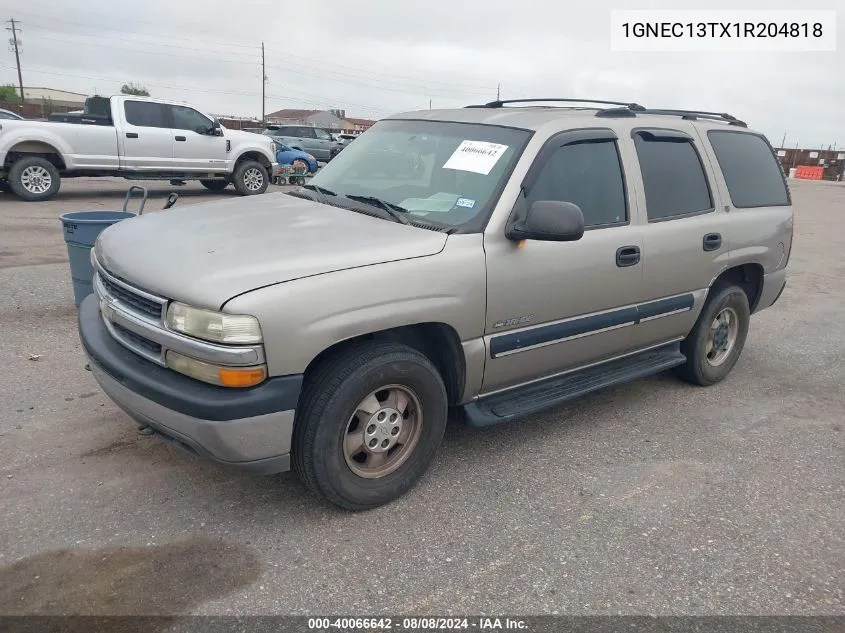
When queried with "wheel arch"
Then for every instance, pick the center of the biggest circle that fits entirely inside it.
(439, 342)
(748, 276)
(256, 156)
(41, 149)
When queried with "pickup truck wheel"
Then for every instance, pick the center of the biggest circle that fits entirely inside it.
(251, 178)
(716, 342)
(34, 179)
(215, 185)
(370, 422)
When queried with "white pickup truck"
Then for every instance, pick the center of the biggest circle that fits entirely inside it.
(137, 138)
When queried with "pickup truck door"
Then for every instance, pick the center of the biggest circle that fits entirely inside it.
(195, 147)
(145, 139)
(686, 238)
(555, 306)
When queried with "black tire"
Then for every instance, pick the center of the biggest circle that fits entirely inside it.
(329, 400)
(39, 169)
(215, 185)
(699, 369)
(251, 178)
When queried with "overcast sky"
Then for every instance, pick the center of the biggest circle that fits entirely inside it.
(375, 57)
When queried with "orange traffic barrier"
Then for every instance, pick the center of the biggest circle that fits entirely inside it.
(809, 172)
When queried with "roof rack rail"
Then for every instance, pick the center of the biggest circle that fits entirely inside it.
(692, 115)
(501, 102)
(689, 115)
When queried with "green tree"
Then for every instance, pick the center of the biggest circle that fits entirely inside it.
(132, 89)
(9, 93)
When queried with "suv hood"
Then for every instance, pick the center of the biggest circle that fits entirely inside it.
(205, 254)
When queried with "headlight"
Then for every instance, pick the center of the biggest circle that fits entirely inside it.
(214, 374)
(209, 325)
(275, 147)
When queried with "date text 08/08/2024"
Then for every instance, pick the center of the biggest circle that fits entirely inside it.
(423, 624)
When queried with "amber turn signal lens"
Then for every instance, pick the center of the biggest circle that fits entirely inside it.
(215, 374)
(241, 377)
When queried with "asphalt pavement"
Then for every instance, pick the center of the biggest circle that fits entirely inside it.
(651, 498)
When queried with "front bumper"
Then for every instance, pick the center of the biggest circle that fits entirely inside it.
(250, 428)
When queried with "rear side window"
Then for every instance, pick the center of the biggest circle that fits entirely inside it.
(673, 177)
(146, 114)
(588, 174)
(751, 172)
(304, 132)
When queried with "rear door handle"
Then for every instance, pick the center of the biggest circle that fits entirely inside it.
(627, 256)
(131, 135)
(712, 242)
(181, 138)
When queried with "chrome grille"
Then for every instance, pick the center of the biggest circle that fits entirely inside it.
(137, 302)
(151, 346)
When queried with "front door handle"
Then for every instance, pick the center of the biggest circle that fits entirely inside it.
(131, 135)
(181, 138)
(712, 242)
(627, 256)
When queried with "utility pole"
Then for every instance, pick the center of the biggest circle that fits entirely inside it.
(429, 104)
(16, 45)
(498, 91)
(263, 82)
(783, 142)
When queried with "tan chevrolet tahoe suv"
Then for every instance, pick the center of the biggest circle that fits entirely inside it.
(482, 264)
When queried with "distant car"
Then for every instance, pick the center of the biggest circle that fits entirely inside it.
(286, 155)
(8, 114)
(314, 140)
(345, 139)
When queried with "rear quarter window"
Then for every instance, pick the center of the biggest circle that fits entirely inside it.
(751, 172)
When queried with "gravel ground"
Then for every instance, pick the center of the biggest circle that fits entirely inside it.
(651, 498)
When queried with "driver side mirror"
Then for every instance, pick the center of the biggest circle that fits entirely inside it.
(549, 221)
(216, 130)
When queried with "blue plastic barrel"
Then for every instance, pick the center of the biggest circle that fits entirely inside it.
(81, 229)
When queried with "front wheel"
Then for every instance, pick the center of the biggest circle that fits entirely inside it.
(214, 185)
(370, 421)
(34, 179)
(251, 178)
(718, 337)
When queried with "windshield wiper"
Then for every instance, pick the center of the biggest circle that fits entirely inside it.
(392, 209)
(322, 190)
(324, 193)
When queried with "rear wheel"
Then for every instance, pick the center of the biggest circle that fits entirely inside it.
(251, 178)
(370, 422)
(34, 179)
(215, 185)
(716, 342)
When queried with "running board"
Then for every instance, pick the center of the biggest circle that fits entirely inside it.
(542, 395)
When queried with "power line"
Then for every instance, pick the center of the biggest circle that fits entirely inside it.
(311, 61)
(132, 40)
(16, 44)
(102, 27)
(79, 42)
(341, 78)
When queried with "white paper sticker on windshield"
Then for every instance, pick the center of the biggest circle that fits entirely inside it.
(476, 156)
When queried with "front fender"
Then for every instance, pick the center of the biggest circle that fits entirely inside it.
(301, 318)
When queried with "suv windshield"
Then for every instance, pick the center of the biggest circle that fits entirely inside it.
(441, 171)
